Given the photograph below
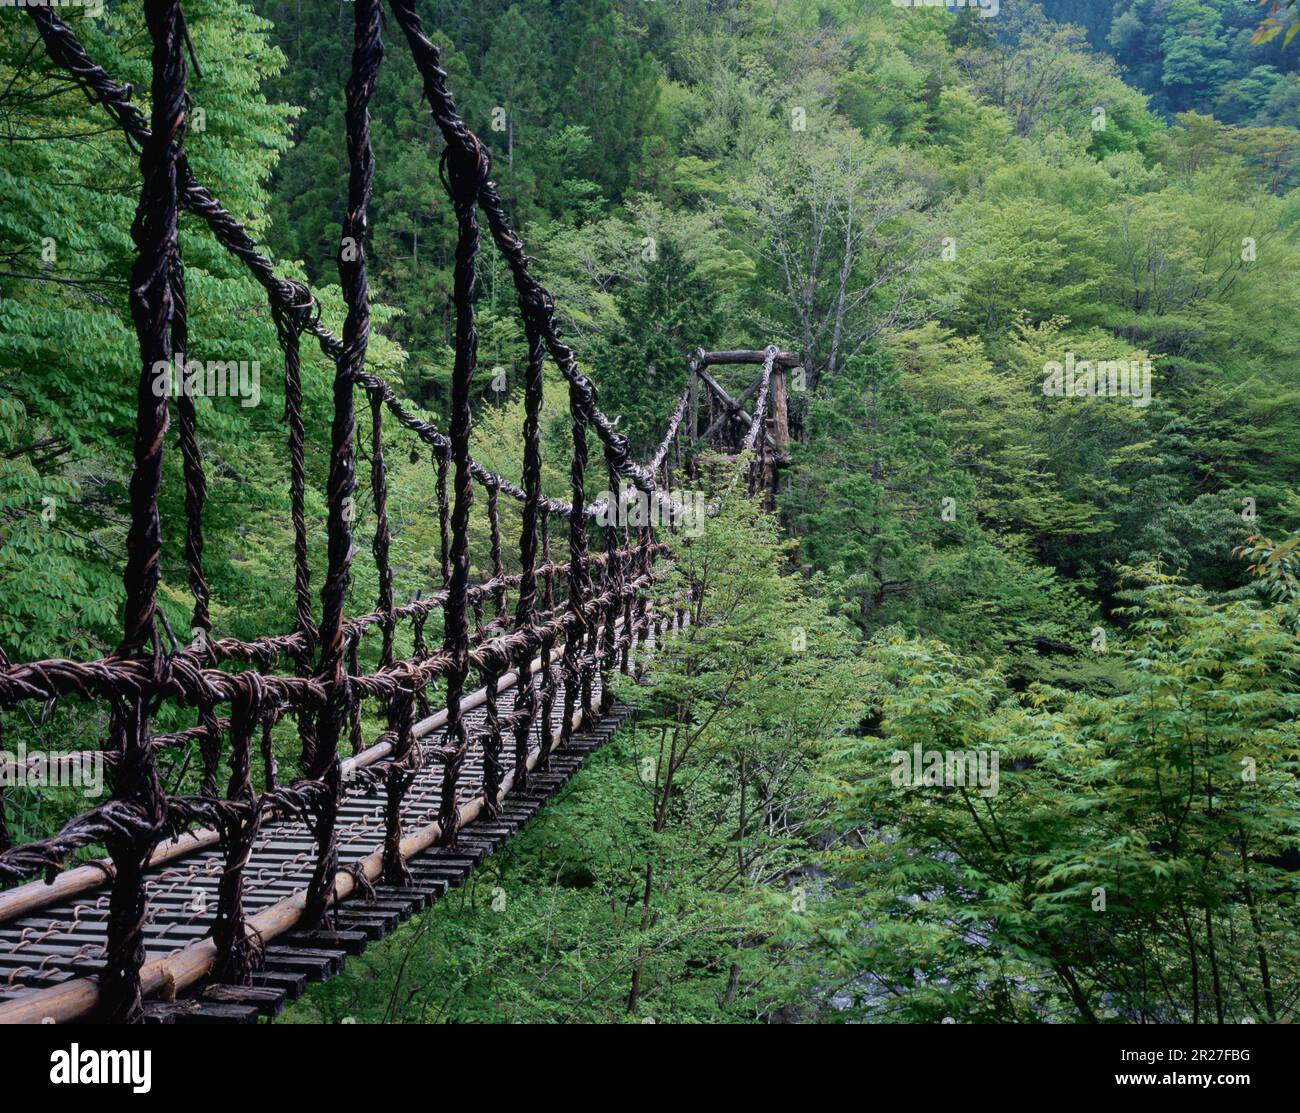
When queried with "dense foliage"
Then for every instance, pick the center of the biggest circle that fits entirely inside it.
(934, 208)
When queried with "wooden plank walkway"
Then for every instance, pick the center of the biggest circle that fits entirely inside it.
(66, 940)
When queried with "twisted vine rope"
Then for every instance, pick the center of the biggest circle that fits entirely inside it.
(603, 611)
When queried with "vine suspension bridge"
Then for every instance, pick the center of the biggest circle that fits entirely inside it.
(216, 906)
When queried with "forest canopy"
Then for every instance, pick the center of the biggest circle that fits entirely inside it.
(1041, 502)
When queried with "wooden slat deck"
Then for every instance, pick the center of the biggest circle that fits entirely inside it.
(65, 940)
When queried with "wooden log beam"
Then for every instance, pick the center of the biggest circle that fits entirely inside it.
(780, 413)
(733, 408)
(736, 414)
(783, 359)
(718, 389)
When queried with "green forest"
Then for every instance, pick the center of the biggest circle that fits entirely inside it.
(1041, 508)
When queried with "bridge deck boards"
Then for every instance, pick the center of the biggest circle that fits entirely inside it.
(66, 940)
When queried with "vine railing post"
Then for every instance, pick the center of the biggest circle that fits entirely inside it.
(529, 537)
(615, 518)
(289, 320)
(579, 586)
(490, 739)
(547, 682)
(462, 172)
(382, 538)
(238, 819)
(331, 671)
(154, 285)
(398, 776)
